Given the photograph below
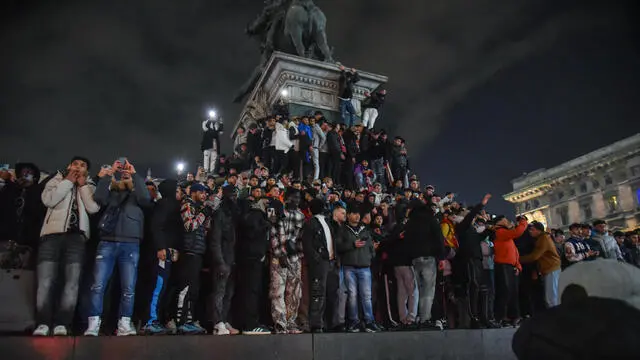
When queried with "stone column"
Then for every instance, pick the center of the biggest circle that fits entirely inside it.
(574, 211)
(625, 197)
(599, 207)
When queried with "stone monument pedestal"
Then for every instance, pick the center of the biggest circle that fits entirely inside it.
(302, 85)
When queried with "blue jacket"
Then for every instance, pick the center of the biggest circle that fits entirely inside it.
(130, 226)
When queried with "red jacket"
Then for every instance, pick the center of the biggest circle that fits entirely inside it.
(504, 246)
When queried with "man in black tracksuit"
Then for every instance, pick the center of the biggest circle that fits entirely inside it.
(319, 243)
(166, 234)
(222, 242)
(252, 246)
(467, 266)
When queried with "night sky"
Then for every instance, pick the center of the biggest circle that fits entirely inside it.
(482, 91)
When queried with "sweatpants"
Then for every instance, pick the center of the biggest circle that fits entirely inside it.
(163, 269)
(223, 288)
(249, 287)
(507, 304)
(210, 158)
(188, 286)
(407, 300)
(487, 296)
(323, 285)
(369, 116)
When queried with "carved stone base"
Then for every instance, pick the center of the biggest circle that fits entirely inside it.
(310, 85)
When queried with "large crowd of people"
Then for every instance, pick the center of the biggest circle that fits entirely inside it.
(310, 226)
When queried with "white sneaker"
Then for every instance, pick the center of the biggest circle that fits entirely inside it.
(60, 330)
(125, 327)
(94, 326)
(221, 329)
(440, 325)
(41, 330)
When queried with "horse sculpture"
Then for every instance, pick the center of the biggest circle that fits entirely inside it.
(290, 26)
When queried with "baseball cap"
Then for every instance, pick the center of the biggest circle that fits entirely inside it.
(198, 187)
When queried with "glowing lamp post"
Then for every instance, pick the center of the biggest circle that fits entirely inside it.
(180, 168)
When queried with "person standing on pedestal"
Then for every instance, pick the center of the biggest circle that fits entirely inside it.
(371, 105)
(319, 140)
(345, 93)
(210, 144)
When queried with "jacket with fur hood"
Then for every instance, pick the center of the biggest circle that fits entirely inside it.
(57, 196)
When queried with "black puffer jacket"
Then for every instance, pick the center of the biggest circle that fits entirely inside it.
(350, 255)
(253, 237)
(423, 233)
(166, 225)
(222, 239)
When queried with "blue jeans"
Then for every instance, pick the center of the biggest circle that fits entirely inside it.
(347, 112)
(551, 288)
(358, 292)
(126, 255)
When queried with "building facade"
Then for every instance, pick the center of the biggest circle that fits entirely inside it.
(603, 184)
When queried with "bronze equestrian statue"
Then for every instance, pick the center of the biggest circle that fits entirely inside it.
(291, 26)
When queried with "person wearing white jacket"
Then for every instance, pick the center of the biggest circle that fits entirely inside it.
(68, 197)
(283, 144)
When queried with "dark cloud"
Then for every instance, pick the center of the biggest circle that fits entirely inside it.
(134, 78)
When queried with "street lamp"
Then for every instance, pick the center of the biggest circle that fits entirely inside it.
(180, 167)
(212, 114)
(284, 93)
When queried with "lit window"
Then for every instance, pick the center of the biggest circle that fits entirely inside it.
(613, 203)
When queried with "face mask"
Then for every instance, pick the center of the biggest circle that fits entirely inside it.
(458, 219)
(480, 229)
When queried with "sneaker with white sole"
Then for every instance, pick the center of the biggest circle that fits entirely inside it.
(94, 326)
(125, 327)
(439, 324)
(172, 328)
(221, 329)
(232, 330)
(257, 331)
(41, 330)
(60, 330)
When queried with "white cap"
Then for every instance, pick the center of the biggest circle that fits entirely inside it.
(604, 278)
